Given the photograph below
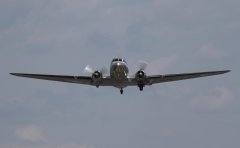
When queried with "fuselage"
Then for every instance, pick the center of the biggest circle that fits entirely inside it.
(119, 72)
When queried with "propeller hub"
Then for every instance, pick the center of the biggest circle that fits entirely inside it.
(97, 75)
(140, 74)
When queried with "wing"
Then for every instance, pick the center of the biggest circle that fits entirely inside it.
(87, 80)
(175, 77)
(107, 81)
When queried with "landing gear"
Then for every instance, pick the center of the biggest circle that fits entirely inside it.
(141, 87)
(121, 91)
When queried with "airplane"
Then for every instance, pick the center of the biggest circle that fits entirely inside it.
(119, 77)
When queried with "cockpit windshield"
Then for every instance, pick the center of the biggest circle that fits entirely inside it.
(118, 60)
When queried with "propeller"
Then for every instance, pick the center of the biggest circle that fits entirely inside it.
(104, 70)
(90, 70)
(142, 65)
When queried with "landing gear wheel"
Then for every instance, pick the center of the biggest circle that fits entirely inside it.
(121, 91)
(140, 87)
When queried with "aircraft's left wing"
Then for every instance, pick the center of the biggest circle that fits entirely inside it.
(175, 77)
(154, 79)
(87, 80)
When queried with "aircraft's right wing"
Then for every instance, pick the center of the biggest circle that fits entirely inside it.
(175, 77)
(86, 80)
(61, 78)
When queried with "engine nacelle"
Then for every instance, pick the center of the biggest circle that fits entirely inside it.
(140, 75)
(141, 79)
(97, 78)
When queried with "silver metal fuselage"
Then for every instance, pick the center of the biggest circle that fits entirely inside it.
(119, 73)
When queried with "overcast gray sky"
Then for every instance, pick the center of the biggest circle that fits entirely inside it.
(174, 36)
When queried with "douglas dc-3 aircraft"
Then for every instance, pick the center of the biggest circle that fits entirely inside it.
(119, 77)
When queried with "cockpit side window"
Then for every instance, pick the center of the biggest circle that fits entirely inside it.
(119, 59)
(114, 60)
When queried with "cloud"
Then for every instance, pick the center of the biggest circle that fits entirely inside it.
(165, 132)
(46, 146)
(160, 64)
(30, 133)
(219, 100)
(75, 146)
(209, 51)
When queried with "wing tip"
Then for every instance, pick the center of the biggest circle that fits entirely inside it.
(226, 71)
(16, 74)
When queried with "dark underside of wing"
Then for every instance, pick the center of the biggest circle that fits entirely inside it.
(61, 78)
(175, 77)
